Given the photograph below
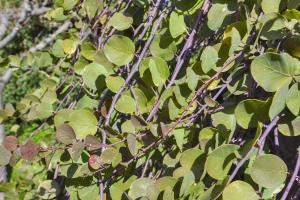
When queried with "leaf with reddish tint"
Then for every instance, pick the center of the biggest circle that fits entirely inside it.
(95, 162)
(29, 150)
(92, 143)
(10, 143)
(65, 134)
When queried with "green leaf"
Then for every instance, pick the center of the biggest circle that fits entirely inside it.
(108, 155)
(293, 99)
(119, 50)
(238, 190)
(187, 182)
(4, 156)
(278, 102)
(132, 144)
(159, 70)
(140, 188)
(274, 26)
(48, 189)
(87, 102)
(57, 49)
(90, 191)
(188, 7)
(179, 137)
(165, 182)
(209, 58)
(69, 46)
(292, 14)
(76, 150)
(251, 111)
(83, 122)
(189, 157)
(65, 134)
(216, 15)
(269, 6)
(44, 110)
(88, 51)
(126, 104)
(269, 171)
(214, 191)
(117, 189)
(205, 135)
(219, 161)
(163, 46)
(142, 100)
(120, 22)
(58, 14)
(272, 71)
(176, 24)
(92, 6)
(43, 59)
(94, 75)
(114, 83)
(224, 120)
(61, 117)
(291, 128)
(69, 4)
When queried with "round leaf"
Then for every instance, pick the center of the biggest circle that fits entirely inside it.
(126, 104)
(159, 70)
(69, 46)
(120, 22)
(10, 143)
(140, 188)
(238, 190)
(83, 122)
(209, 58)
(114, 83)
(93, 76)
(119, 50)
(219, 161)
(268, 171)
(290, 128)
(272, 71)
(65, 134)
(94, 162)
(44, 110)
(251, 111)
(29, 150)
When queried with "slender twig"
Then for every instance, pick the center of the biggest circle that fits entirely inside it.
(134, 68)
(182, 56)
(151, 19)
(42, 44)
(145, 168)
(101, 186)
(56, 172)
(25, 12)
(293, 178)
(268, 129)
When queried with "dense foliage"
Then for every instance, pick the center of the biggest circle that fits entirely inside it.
(140, 99)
